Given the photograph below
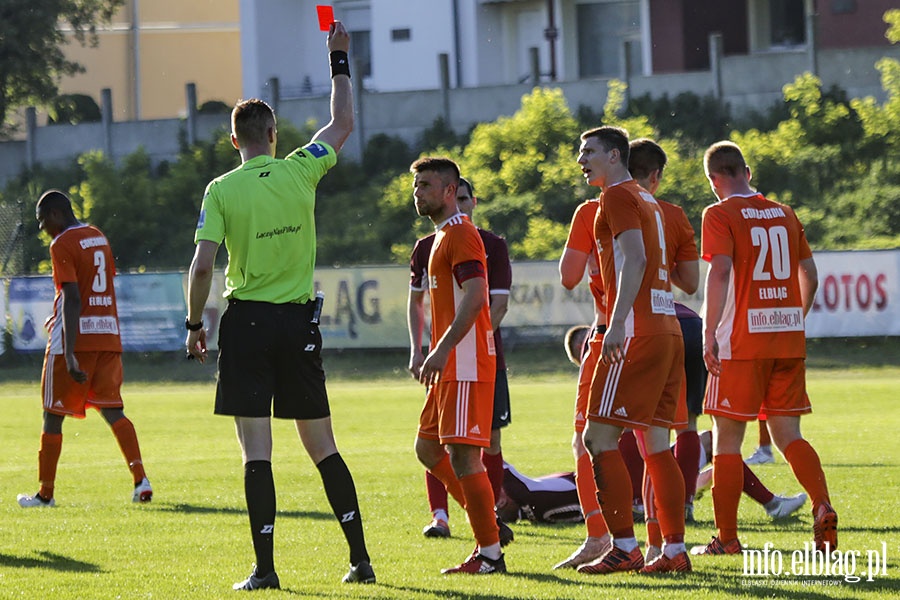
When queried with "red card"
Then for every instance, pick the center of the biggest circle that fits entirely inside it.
(326, 16)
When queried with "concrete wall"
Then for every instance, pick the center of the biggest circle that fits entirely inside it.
(748, 83)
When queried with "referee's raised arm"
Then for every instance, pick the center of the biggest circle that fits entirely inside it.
(336, 132)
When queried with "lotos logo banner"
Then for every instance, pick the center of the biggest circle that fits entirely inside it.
(859, 294)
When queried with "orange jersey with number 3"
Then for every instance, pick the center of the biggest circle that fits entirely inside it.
(763, 315)
(82, 255)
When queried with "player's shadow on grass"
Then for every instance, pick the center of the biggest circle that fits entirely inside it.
(48, 560)
(185, 508)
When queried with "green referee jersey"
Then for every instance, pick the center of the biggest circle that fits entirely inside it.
(263, 210)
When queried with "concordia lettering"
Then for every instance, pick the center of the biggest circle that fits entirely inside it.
(766, 213)
(92, 242)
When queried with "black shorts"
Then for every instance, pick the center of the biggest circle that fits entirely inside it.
(502, 415)
(270, 351)
(694, 368)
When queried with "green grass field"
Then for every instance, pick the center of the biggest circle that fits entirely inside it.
(193, 540)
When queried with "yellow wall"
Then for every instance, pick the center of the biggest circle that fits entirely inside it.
(180, 42)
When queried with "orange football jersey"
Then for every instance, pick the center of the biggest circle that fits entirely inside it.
(625, 206)
(763, 315)
(680, 243)
(581, 238)
(82, 255)
(457, 242)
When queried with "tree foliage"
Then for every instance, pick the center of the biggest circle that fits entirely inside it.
(835, 160)
(32, 60)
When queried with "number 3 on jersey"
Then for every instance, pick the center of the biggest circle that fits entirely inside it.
(772, 241)
(99, 284)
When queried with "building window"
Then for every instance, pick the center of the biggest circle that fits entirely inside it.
(401, 35)
(603, 30)
(777, 24)
(787, 22)
(361, 50)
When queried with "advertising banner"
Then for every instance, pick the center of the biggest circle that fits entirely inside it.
(151, 311)
(30, 305)
(859, 294)
(365, 307)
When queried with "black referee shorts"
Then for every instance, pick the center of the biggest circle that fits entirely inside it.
(270, 362)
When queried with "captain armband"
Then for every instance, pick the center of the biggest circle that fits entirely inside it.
(469, 270)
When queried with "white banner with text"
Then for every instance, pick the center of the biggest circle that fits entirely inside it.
(365, 307)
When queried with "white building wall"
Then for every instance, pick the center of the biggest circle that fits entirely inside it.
(410, 64)
(281, 38)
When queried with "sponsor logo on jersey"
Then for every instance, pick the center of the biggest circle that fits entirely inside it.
(317, 150)
(768, 320)
(662, 302)
(202, 220)
(104, 324)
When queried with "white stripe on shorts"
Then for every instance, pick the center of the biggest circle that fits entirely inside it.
(612, 384)
(462, 408)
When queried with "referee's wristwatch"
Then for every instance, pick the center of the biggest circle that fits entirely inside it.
(193, 326)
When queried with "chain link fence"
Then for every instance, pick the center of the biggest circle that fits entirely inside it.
(12, 231)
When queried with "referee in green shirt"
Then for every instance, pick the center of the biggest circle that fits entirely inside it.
(269, 342)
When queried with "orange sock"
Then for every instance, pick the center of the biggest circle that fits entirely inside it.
(614, 493)
(728, 481)
(668, 491)
(480, 508)
(123, 429)
(807, 469)
(444, 471)
(48, 458)
(587, 497)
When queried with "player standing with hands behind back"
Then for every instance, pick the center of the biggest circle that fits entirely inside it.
(269, 340)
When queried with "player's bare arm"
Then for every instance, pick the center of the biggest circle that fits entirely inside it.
(808, 275)
(474, 292)
(634, 262)
(71, 315)
(499, 308)
(572, 264)
(685, 275)
(199, 283)
(716, 292)
(336, 132)
(415, 322)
